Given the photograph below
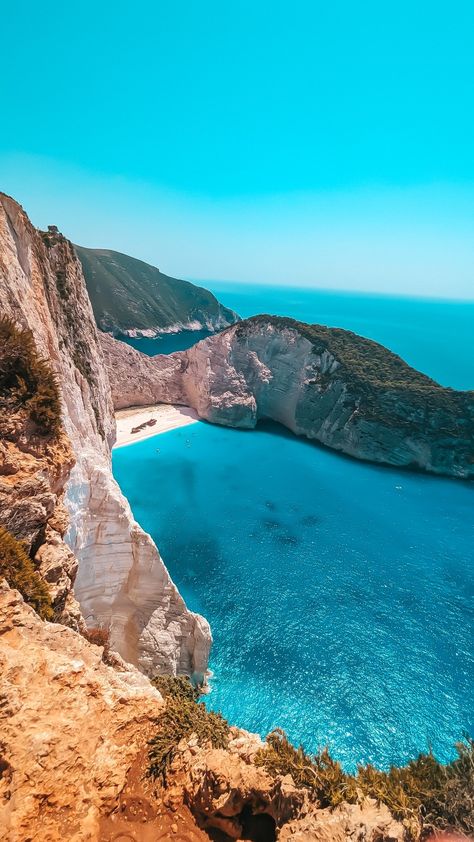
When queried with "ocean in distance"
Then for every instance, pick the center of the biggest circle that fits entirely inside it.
(340, 594)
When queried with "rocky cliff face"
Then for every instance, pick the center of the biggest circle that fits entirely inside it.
(329, 385)
(132, 298)
(73, 756)
(70, 727)
(121, 582)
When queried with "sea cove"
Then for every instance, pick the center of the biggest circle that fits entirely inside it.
(339, 593)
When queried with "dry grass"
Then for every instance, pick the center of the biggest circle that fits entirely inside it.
(99, 636)
(183, 716)
(426, 795)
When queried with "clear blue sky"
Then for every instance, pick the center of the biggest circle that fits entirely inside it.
(327, 144)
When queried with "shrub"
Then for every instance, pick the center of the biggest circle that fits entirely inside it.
(183, 716)
(19, 571)
(99, 636)
(28, 385)
(425, 794)
(320, 774)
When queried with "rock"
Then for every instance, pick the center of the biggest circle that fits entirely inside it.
(367, 822)
(70, 727)
(227, 793)
(121, 581)
(135, 382)
(329, 385)
(9, 463)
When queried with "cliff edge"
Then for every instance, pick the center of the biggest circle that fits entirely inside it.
(82, 526)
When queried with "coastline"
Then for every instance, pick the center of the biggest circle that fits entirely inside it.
(165, 417)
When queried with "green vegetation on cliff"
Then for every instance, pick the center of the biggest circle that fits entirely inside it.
(183, 715)
(128, 294)
(19, 571)
(425, 794)
(29, 391)
(381, 385)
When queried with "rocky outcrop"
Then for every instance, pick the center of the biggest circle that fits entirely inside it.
(366, 822)
(132, 298)
(121, 582)
(73, 756)
(330, 385)
(70, 727)
(228, 794)
(139, 380)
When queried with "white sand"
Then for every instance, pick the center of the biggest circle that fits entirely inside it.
(167, 417)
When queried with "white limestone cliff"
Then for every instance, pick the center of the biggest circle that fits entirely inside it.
(271, 368)
(122, 583)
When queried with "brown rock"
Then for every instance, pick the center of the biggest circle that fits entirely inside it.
(70, 727)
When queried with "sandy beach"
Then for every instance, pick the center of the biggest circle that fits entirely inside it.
(163, 417)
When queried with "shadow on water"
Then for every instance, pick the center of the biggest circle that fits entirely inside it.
(274, 428)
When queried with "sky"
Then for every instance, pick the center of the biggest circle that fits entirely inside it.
(307, 143)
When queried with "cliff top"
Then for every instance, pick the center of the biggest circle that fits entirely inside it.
(374, 371)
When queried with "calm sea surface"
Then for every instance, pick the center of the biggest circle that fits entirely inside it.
(340, 594)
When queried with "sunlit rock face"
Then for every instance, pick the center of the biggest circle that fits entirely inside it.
(329, 385)
(121, 582)
(70, 725)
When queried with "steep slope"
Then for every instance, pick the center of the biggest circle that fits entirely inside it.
(73, 758)
(70, 726)
(132, 298)
(330, 385)
(121, 582)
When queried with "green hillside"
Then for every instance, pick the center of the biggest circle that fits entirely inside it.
(130, 295)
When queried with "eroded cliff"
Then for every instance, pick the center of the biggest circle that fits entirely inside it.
(330, 385)
(73, 758)
(67, 489)
(70, 727)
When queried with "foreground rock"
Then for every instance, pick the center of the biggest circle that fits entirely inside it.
(73, 757)
(229, 795)
(70, 727)
(62, 499)
(329, 385)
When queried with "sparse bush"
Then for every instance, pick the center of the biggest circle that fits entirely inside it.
(176, 687)
(28, 386)
(426, 795)
(99, 636)
(183, 716)
(19, 571)
(320, 774)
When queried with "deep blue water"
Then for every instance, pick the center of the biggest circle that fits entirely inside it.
(167, 343)
(340, 594)
(434, 336)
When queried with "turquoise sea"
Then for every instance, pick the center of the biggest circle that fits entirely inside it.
(340, 594)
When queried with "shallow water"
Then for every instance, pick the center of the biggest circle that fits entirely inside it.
(340, 594)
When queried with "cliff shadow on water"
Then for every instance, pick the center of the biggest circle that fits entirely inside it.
(274, 428)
